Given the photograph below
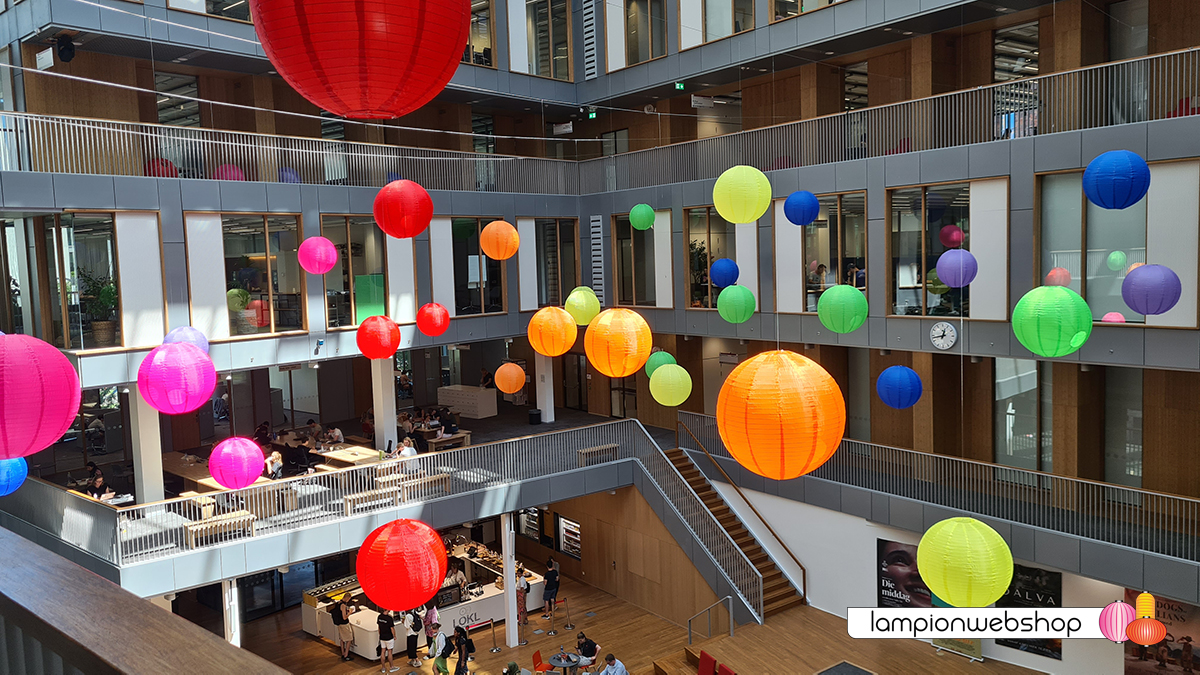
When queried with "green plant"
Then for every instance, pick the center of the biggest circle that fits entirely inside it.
(97, 295)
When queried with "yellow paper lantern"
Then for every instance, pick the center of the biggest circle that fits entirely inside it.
(510, 378)
(965, 562)
(742, 194)
(617, 342)
(583, 305)
(552, 331)
(670, 385)
(499, 240)
(1144, 605)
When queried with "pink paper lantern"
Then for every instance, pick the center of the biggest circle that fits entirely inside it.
(228, 172)
(176, 378)
(1113, 317)
(951, 236)
(317, 255)
(1115, 619)
(40, 391)
(261, 318)
(236, 463)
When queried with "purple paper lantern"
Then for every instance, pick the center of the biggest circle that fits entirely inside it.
(176, 378)
(1115, 619)
(228, 172)
(1151, 289)
(957, 268)
(236, 463)
(40, 392)
(317, 255)
(289, 175)
(189, 335)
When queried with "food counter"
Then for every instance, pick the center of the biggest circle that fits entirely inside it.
(472, 402)
(487, 602)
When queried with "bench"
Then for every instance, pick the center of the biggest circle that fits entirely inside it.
(207, 505)
(353, 501)
(426, 487)
(360, 440)
(461, 436)
(324, 467)
(602, 453)
(395, 479)
(220, 524)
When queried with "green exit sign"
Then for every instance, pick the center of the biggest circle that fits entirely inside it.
(679, 86)
(592, 115)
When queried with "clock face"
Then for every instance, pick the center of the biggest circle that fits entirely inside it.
(943, 335)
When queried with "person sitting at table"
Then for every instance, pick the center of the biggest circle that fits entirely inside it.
(274, 464)
(587, 649)
(314, 429)
(613, 666)
(446, 420)
(368, 423)
(263, 434)
(334, 435)
(93, 471)
(99, 489)
(95, 435)
(407, 449)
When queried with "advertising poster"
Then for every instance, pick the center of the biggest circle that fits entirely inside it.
(1034, 587)
(1174, 653)
(900, 582)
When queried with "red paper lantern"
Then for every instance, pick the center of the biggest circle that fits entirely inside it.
(401, 565)
(161, 168)
(433, 319)
(1059, 276)
(378, 337)
(403, 209)
(262, 318)
(364, 58)
(40, 395)
(1146, 631)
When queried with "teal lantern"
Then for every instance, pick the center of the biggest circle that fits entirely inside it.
(1052, 321)
(641, 217)
(670, 385)
(1116, 261)
(736, 304)
(659, 358)
(842, 308)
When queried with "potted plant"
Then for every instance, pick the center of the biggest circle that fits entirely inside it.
(98, 299)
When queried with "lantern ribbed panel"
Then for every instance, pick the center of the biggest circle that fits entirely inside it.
(657, 359)
(780, 414)
(262, 316)
(1059, 276)
(190, 335)
(236, 463)
(583, 305)
(403, 209)
(641, 217)
(951, 236)
(957, 268)
(965, 562)
(1145, 605)
(12, 473)
(364, 58)
(317, 255)
(742, 194)
(670, 385)
(378, 337)
(1117, 260)
(723, 272)
(499, 240)
(801, 207)
(1151, 289)
(552, 331)
(39, 395)
(899, 387)
(433, 319)
(1116, 179)
(1052, 321)
(1114, 619)
(736, 304)
(842, 308)
(176, 378)
(617, 342)
(1146, 632)
(401, 565)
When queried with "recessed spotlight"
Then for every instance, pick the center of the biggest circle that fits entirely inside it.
(887, 30)
(907, 32)
(272, 72)
(828, 53)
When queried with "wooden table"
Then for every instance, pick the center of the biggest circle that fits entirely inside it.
(349, 455)
(191, 472)
(462, 436)
(210, 484)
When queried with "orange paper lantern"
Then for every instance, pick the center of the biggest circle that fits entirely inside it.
(1146, 631)
(499, 240)
(552, 331)
(510, 378)
(781, 415)
(617, 342)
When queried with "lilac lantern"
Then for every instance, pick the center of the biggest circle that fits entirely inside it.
(1113, 317)
(41, 395)
(228, 172)
(236, 463)
(189, 335)
(957, 268)
(177, 378)
(1151, 289)
(317, 255)
(1115, 619)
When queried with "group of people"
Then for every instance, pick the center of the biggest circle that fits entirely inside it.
(423, 619)
(95, 487)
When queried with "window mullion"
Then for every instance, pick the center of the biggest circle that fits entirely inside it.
(350, 273)
(924, 256)
(270, 285)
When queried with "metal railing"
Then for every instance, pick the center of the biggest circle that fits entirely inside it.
(708, 610)
(1149, 521)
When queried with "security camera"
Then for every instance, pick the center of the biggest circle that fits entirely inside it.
(66, 48)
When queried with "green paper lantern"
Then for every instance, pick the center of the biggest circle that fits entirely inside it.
(657, 359)
(464, 229)
(1052, 321)
(670, 385)
(965, 563)
(742, 194)
(736, 304)
(842, 308)
(1116, 261)
(583, 305)
(934, 284)
(237, 299)
(641, 217)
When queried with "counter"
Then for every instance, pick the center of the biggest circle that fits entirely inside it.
(489, 605)
(472, 402)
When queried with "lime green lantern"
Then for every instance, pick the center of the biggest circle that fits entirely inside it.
(736, 304)
(1052, 321)
(641, 217)
(742, 194)
(842, 308)
(583, 305)
(965, 562)
(237, 299)
(659, 358)
(670, 385)
(934, 283)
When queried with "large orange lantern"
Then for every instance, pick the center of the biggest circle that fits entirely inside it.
(617, 342)
(510, 378)
(1146, 631)
(781, 415)
(552, 331)
(499, 240)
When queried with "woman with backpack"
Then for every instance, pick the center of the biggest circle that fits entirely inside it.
(463, 646)
(412, 629)
(440, 650)
(431, 622)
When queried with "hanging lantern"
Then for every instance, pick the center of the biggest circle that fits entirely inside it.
(934, 283)
(12, 474)
(433, 319)
(936, 206)
(176, 378)
(1151, 289)
(801, 207)
(659, 358)
(1116, 261)
(499, 240)
(1052, 321)
(617, 342)
(403, 209)
(1116, 179)
(1144, 605)
(1059, 276)
(289, 175)
(957, 268)
(724, 272)
(404, 52)
(899, 387)
(401, 565)
(951, 236)
(842, 308)
(965, 562)
(463, 229)
(161, 168)
(742, 194)
(262, 317)
(237, 299)
(641, 217)
(1133, 267)
(736, 304)
(780, 414)
(1146, 632)
(228, 172)
(670, 385)
(236, 463)
(378, 337)
(510, 378)
(583, 305)
(1113, 317)
(317, 255)
(190, 335)
(552, 331)
(1115, 619)
(41, 395)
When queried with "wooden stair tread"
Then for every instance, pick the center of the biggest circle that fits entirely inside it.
(782, 604)
(674, 664)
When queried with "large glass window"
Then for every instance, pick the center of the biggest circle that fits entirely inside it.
(634, 251)
(835, 245)
(479, 43)
(1015, 52)
(614, 142)
(263, 279)
(854, 86)
(16, 288)
(645, 30)
(549, 29)
(723, 18)
(1123, 426)
(355, 288)
(918, 217)
(478, 280)
(1023, 423)
(80, 303)
(558, 259)
(789, 8)
(709, 238)
(229, 9)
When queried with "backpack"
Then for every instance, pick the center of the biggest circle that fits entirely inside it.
(470, 646)
(416, 623)
(448, 649)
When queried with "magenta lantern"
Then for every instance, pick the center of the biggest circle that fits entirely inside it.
(951, 236)
(317, 255)
(236, 463)
(228, 172)
(1113, 317)
(1115, 619)
(39, 395)
(176, 378)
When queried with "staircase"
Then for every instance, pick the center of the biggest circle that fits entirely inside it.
(778, 593)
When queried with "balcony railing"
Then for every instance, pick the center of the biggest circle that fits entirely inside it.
(1149, 521)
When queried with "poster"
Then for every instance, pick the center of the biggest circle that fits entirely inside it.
(900, 583)
(1034, 587)
(1174, 653)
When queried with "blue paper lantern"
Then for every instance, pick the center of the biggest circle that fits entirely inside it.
(289, 175)
(12, 474)
(192, 336)
(801, 207)
(724, 272)
(899, 387)
(1117, 179)
(937, 206)
(393, 176)
(1151, 289)
(957, 268)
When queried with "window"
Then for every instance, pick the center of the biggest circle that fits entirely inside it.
(549, 38)
(1128, 29)
(634, 257)
(854, 86)
(1015, 52)
(1123, 426)
(789, 8)
(558, 259)
(835, 245)
(80, 280)
(355, 288)
(645, 30)
(16, 290)
(614, 142)
(485, 127)
(478, 280)
(918, 216)
(1023, 426)
(723, 18)
(709, 238)
(229, 9)
(263, 279)
(479, 43)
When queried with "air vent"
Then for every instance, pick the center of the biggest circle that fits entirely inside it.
(598, 257)
(590, 71)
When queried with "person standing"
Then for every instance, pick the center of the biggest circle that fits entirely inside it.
(431, 623)
(387, 641)
(461, 642)
(412, 629)
(440, 649)
(486, 379)
(1185, 654)
(550, 590)
(341, 619)
(613, 666)
(522, 603)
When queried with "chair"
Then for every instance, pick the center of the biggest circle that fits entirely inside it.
(725, 670)
(540, 666)
(596, 660)
(708, 665)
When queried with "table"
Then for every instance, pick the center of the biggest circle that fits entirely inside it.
(349, 455)
(210, 484)
(564, 661)
(191, 471)
(461, 436)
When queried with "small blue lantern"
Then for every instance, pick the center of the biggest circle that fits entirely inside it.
(393, 176)
(12, 474)
(899, 387)
(724, 272)
(289, 175)
(1117, 179)
(801, 207)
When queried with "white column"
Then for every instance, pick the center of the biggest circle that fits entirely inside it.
(383, 396)
(147, 450)
(543, 373)
(233, 612)
(507, 544)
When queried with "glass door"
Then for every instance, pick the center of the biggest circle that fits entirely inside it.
(624, 396)
(574, 382)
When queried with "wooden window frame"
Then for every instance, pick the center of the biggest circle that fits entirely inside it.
(558, 222)
(350, 263)
(270, 284)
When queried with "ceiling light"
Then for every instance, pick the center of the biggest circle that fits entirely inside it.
(907, 32)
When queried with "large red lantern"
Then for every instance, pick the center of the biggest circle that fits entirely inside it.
(433, 319)
(378, 337)
(364, 59)
(39, 395)
(403, 209)
(401, 565)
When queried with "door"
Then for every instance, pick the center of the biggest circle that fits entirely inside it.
(624, 396)
(574, 377)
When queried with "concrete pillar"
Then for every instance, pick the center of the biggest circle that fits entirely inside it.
(383, 398)
(147, 450)
(233, 612)
(543, 369)
(507, 549)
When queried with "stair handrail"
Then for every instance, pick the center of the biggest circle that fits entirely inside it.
(708, 610)
(803, 571)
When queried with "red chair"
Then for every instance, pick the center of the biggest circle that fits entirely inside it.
(725, 670)
(540, 666)
(708, 665)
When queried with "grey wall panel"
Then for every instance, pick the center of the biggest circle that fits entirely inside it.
(877, 331)
(245, 197)
(1173, 138)
(1021, 255)
(906, 514)
(1114, 564)
(1020, 187)
(814, 27)
(362, 199)
(783, 182)
(313, 542)
(1057, 151)
(988, 338)
(826, 494)
(170, 215)
(816, 179)
(789, 327)
(134, 193)
(986, 160)
(600, 478)
(856, 502)
(535, 492)
(233, 561)
(175, 270)
(151, 578)
(268, 551)
(1109, 344)
(352, 532)
(1172, 348)
(27, 190)
(948, 164)
(1023, 542)
(906, 334)
(1056, 550)
(1170, 577)
(850, 16)
(879, 508)
(505, 498)
(902, 170)
(200, 195)
(1121, 137)
(850, 175)
(333, 199)
(202, 567)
